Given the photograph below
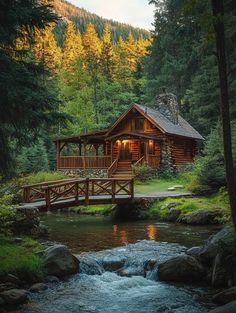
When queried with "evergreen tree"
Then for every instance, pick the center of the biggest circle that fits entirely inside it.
(107, 54)
(45, 48)
(72, 46)
(28, 100)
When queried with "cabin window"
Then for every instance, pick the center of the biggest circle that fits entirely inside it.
(139, 124)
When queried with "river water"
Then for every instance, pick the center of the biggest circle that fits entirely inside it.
(135, 287)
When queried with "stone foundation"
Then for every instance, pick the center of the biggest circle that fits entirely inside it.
(85, 173)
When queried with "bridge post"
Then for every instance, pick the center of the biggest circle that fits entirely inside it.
(26, 194)
(113, 191)
(76, 191)
(132, 188)
(87, 191)
(47, 198)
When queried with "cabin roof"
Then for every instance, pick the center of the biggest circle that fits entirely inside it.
(183, 128)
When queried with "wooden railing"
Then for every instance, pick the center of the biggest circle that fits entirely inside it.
(36, 192)
(112, 168)
(80, 191)
(83, 162)
(140, 161)
(153, 160)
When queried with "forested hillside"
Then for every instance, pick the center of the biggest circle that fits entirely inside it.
(81, 18)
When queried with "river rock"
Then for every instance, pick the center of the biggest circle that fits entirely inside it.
(227, 308)
(183, 268)
(194, 251)
(60, 262)
(15, 296)
(7, 286)
(173, 215)
(9, 278)
(52, 279)
(225, 296)
(201, 217)
(214, 245)
(38, 287)
(113, 263)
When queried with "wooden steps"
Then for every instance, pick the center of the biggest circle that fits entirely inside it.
(124, 170)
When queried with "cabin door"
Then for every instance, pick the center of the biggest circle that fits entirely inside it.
(125, 151)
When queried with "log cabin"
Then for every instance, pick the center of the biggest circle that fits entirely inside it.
(157, 136)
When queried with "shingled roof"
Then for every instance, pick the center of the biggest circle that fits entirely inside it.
(183, 128)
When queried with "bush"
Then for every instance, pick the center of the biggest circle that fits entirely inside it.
(208, 174)
(144, 172)
(13, 186)
(7, 213)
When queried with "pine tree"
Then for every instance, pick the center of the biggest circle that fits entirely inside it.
(107, 54)
(72, 46)
(132, 54)
(45, 48)
(92, 49)
(28, 99)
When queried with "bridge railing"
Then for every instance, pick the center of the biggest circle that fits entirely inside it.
(81, 191)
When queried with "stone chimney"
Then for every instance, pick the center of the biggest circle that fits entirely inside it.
(167, 105)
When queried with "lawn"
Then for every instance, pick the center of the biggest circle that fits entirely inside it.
(157, 185)
(20, 257)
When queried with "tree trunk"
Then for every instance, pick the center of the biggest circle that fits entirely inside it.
(218, 14)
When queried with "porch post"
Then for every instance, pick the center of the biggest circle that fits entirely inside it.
(146, 151)
(58, 153)
(80, 152)
(111, 151)
(84, 161)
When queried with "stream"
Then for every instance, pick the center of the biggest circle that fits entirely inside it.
(133, 288)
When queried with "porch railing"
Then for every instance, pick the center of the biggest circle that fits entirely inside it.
(65, 162)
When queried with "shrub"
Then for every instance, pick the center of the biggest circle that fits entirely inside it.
(208, 174)
(7, 213)
(143, 172)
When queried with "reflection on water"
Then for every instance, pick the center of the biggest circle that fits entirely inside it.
(90, 233)
(152, 232)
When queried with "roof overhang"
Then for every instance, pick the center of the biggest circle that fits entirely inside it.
(131, 135)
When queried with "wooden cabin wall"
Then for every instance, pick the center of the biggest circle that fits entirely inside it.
(183, 150)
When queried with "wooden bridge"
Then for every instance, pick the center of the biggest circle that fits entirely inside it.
(70, 192)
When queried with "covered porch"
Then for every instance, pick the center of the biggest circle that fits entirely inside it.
(97, 151)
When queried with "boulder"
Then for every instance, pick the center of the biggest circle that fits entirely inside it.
(60, 262)
(14, 296)
(52, 279)
(227, 308)
(214, 245)
(9, 278)
(221, 274)
(183, 268)
(113, 263)
(225, 296)
(173, 215)
(201, 217)
(38, 287)
(194, 251)
(7, 286)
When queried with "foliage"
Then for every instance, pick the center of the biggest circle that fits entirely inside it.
(92, 209)
(24, 253)
(208, 173)
(143, 172)
(28, 94)
(7, 213)
(218, 201)
(182, 59)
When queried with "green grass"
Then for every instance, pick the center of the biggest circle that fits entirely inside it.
(215, 202)
(93, 209)
(20, 257)
(42, 177)
(157, 185)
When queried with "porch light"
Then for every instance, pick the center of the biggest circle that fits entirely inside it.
(150, 142)
(125, 141)
(118, 142)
